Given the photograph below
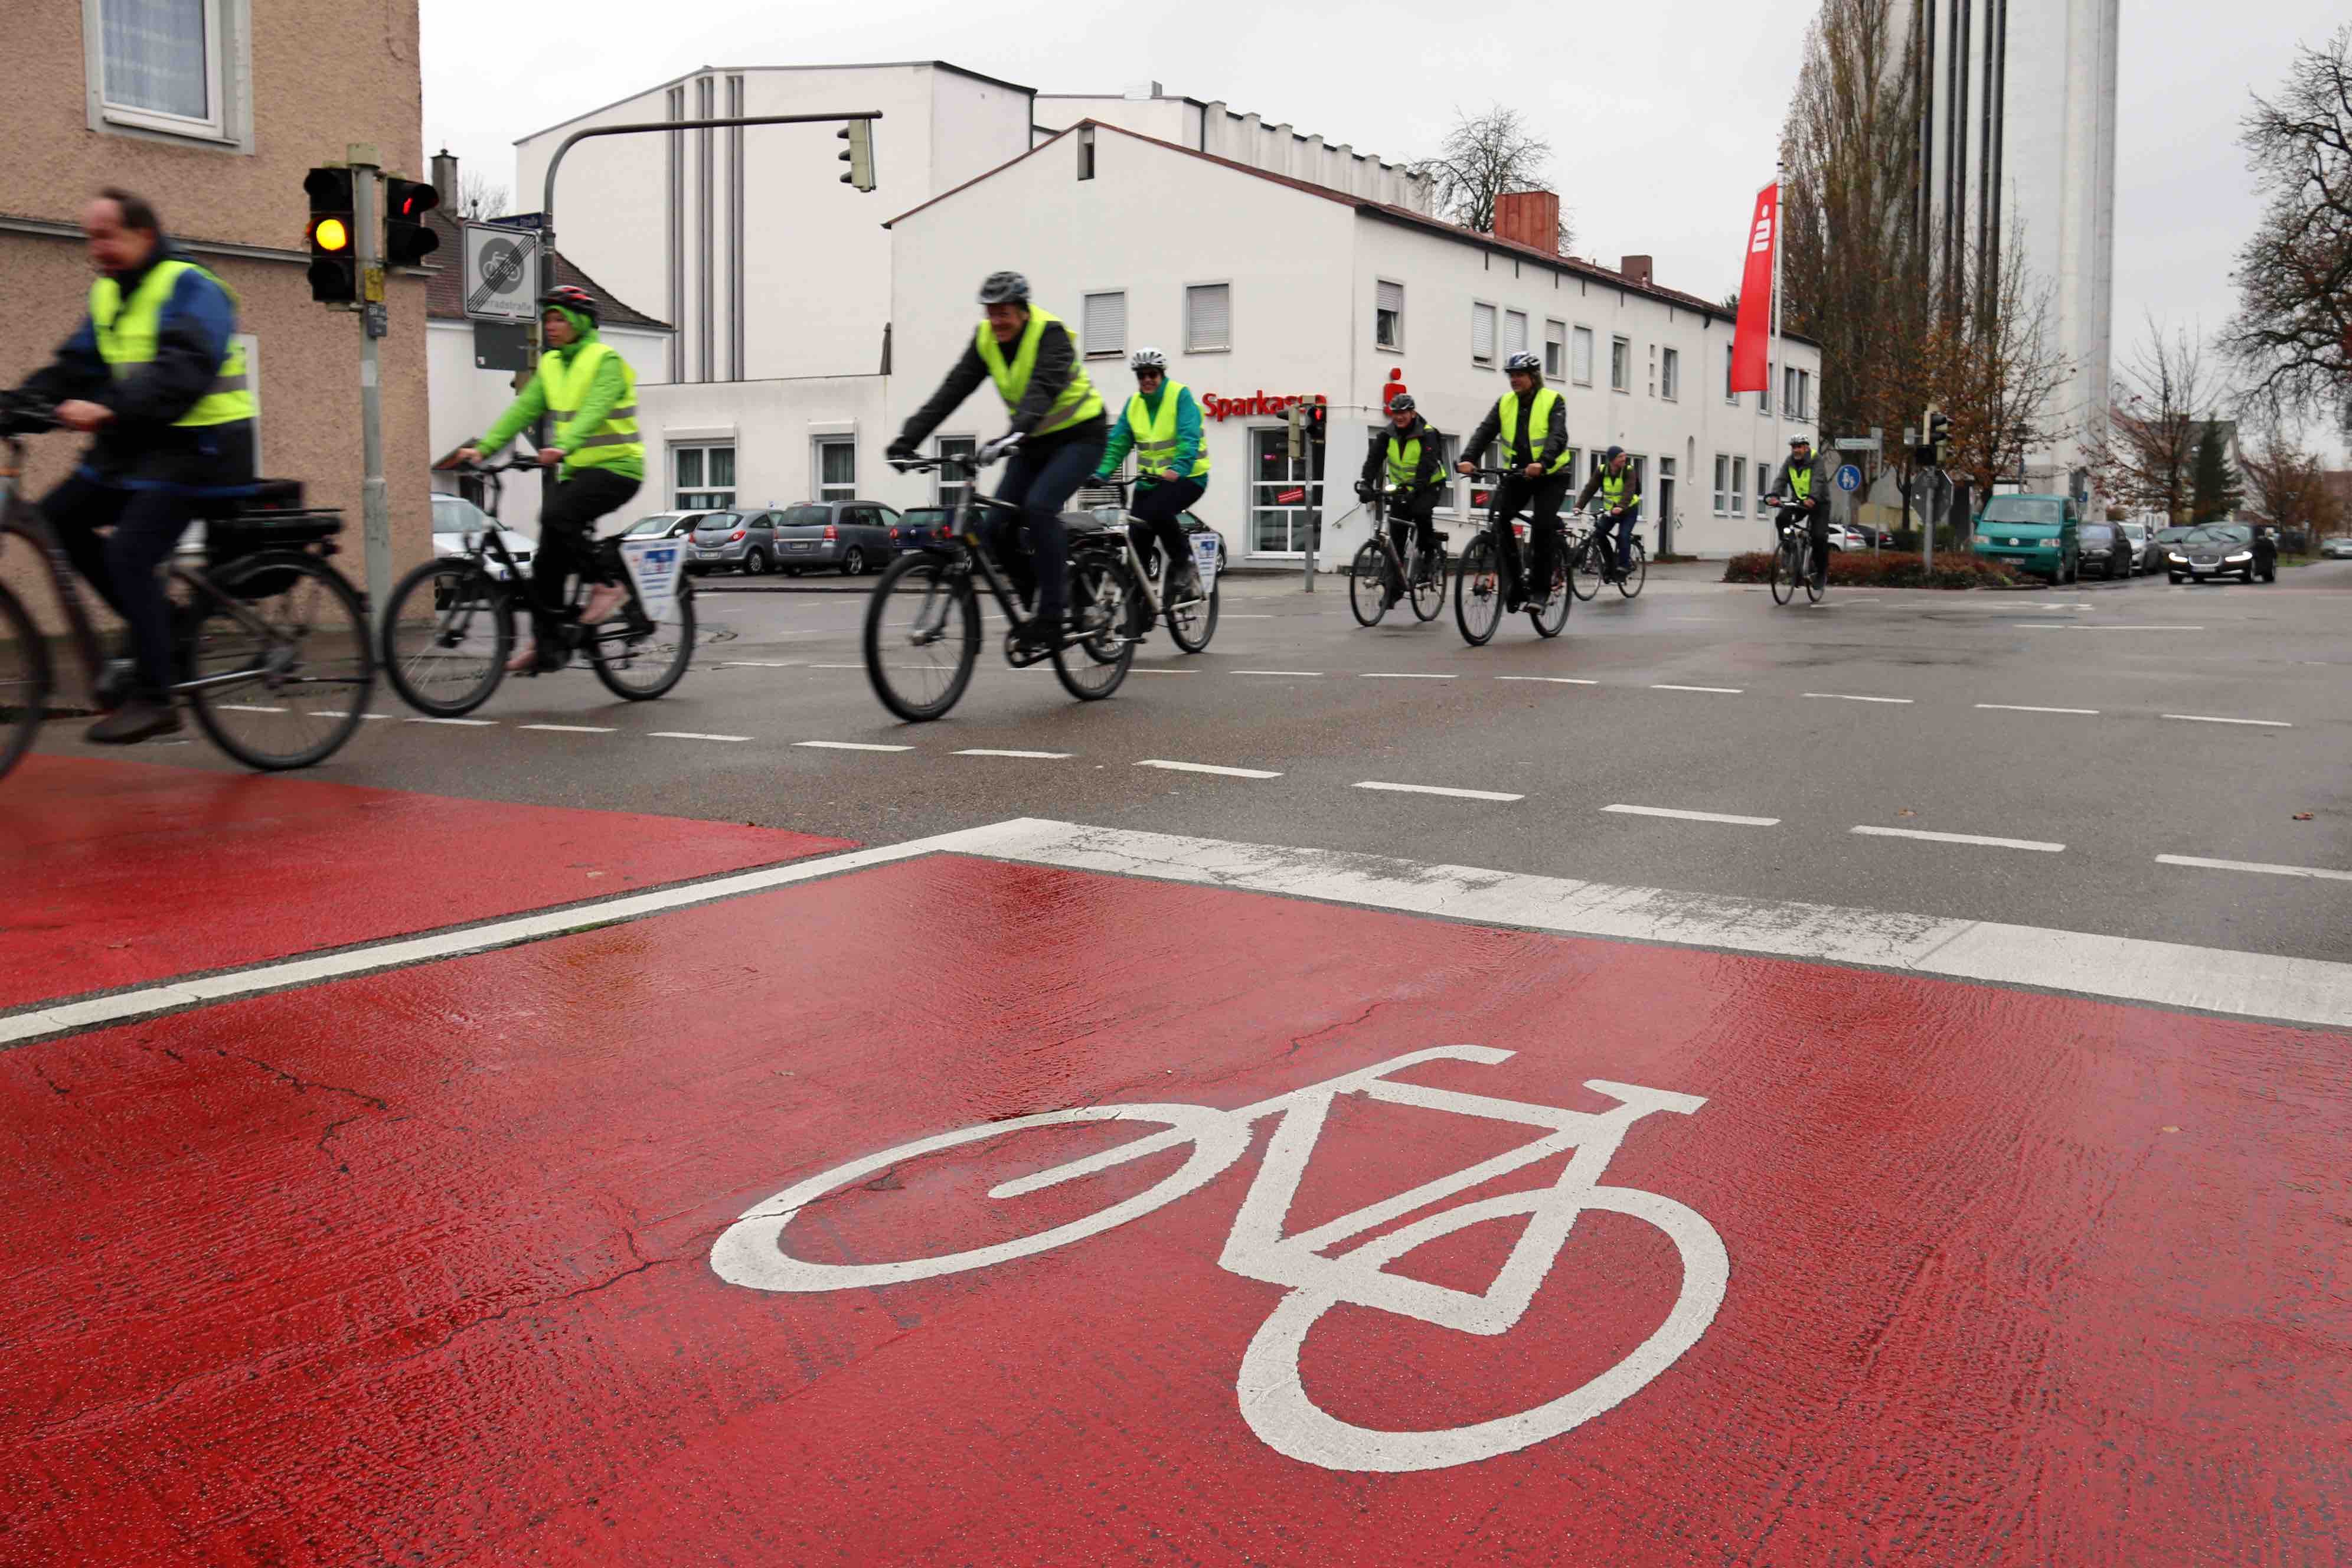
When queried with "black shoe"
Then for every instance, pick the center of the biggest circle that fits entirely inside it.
(1040, 634)
(115, 684)
(139, 719)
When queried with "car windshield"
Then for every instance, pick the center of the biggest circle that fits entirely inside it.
(925, 516)
(806, 517)
(2219, 533)
(2024, 508)
(661, 523)
(453, 514)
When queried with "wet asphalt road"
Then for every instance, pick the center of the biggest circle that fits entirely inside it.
(1905, 711)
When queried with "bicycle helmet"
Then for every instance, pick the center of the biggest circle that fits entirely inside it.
(1523, 361)
(1611, 454)
(1147, 359)
(1801, 441)
(1403, 403)
(572, 299)
(1005, 288)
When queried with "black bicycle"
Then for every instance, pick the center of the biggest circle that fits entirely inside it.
(1377, 570)
(1592, 559)
(270, 640)
(449, 626)
(922, 624)
(1793, 562)
(1478, 585)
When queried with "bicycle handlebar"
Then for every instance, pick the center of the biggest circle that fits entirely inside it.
(22, 415)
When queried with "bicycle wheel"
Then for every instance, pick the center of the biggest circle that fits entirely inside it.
(1636, 575)
(1368, 583)
(641, 660)
(448, 631)
(1550, 613)
(1817, 573)
(24, 681)
(1102, 596)
(1479, 590)
(1784, 572)
(1585, 574)
(285, 672)
(1193, 622)
(1429, 584)
(922, 636)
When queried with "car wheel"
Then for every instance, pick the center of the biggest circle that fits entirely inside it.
(852, 565)
(2175, 577)
(755, 562)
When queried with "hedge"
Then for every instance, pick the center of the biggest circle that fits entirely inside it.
(1888, 569)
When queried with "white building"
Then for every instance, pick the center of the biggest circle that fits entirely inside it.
(1358, 294)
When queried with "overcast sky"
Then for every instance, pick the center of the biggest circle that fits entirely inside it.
(1664, 115)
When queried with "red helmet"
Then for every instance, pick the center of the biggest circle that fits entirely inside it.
(571, 298)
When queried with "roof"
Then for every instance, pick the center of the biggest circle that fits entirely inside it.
(746, 70)
(1567, 265)
(445, 285)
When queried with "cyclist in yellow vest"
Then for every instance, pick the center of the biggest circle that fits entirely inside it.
(155, 375)
(1532, 420)
(1799, 490)
(1162, 425)
(1621, 503)
(593, 393)
(1056, 442)
(1408, 461)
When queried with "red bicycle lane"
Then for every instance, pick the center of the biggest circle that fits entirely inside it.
(417, 1266)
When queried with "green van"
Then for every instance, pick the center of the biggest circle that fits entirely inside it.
(2040, 534)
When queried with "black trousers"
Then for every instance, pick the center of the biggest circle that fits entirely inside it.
(1541, 499)
(1413, 520)
(1817, 529)
(1040, 479)
(123, 566)
(1153, 514)
(567, 539)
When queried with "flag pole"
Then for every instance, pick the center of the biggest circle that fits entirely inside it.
(1774, 368)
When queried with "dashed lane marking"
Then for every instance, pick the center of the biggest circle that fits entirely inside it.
(993, 752)
(246, 708)
(1959, 839)
(1400, 675)
(692, 735)
(1438, 789)
(1206, 768)
(1298, 672)
(2209, 719)
(469, 723)
(572, 729)
(1554, 680)
(1694, 816)
(1721, 691)
(2027, 708)
(2320, 871)
(1853, 697)
(828, 745)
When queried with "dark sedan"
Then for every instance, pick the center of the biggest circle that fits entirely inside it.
(2108, 550)
(2212, 550)
(919, 527)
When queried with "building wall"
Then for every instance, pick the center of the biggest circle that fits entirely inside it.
(467, 400)
(240, 208)
(774, 425)
(1250, 140)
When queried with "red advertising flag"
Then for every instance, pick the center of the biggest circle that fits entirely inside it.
(1750, 345)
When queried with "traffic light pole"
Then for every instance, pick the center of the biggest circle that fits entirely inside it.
(375, 508)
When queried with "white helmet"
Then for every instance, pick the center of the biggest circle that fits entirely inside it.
(1147, 359)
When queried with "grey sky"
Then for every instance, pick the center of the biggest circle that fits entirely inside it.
(1664, 116)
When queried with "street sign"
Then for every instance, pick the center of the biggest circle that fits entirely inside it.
(501, 265)
(1855, 444)
(1849, 478)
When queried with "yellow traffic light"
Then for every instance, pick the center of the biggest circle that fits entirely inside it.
(331, 235)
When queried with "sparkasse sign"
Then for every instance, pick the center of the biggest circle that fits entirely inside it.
(1260, 404)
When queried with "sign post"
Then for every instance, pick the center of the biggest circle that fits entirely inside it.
(376, 507)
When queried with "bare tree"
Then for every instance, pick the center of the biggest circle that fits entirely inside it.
(1482, 157)
(2288, 489)
(1994, 368)
(479, 196)
(2291, 338)
(2162, 400)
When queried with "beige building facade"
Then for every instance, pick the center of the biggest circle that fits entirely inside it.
(213, 110)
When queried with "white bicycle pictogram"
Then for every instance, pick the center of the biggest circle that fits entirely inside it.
(1274, 1401)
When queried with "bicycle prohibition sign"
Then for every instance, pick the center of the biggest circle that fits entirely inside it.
(753, 1251)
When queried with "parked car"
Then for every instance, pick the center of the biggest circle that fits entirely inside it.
(742, 541)
(2039, 534)
(1845, 536)
(2105, 548)
(2162, 543)
(849, 536)
(2336, 549)
(1112, 516)
(663, 525)
(455, 517)
(2212, 550)
(2143, 546)
(919, 527)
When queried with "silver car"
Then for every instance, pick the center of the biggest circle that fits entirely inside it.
(455, 517)
(2143, 539)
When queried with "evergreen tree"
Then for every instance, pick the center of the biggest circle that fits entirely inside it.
(2219, 492)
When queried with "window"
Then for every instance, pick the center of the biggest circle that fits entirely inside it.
(705, 477)
(953, 486)
(1515, 333)
(1086, 139)
(1388, 317)
(1722, 485)
(1764, 398)
(1278, 490)
(1103, 327)
(1554, 351)
(1621, 365)
(1740, 487)
(1797, 393)
(1582, 369)
(1670, 375)
(1207, 318)
(1482, 333)
(162, 65)
(1728, 396)
(836, 467)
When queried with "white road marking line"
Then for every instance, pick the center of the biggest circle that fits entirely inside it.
(692, 735)
(2255, 866)
(2127, 969)
(825, 745)
(1725, 690)
(1958, 839)
(992, 751)
(253, 707)
(1435, 789)
(1400, 675)
(1694, 816)
(1313, 672)
(329, 713)
(1206, 768)
(1153, 669)
(1851, 696)
(1555, 679)
(2209, 719)
(2026, 707)
(763, 664)
(570, 728)
(474, 723)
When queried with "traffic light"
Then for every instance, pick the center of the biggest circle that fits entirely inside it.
(407, 240)
(335, 251)
(1939, 434)
(1315, 421)
(858, 155)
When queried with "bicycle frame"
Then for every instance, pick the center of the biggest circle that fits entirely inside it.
(486, 545)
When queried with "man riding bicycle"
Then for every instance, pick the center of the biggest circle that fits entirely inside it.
(1532, 420)
(1056, 442)
(1621, 501)
(1799, 490)
(1409, 458)
(593, 393)
(154, 374)
(1162, 426)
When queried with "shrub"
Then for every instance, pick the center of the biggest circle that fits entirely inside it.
(1887, 569)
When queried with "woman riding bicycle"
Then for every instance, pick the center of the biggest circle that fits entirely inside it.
(1532, 420)
(1162, 424)
(1409, 459)
(1055, 442)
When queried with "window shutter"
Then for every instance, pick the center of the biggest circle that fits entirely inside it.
(1481, 332)
(1103, 332)
(1208, 317)
(1391, 298)
(1515, 333)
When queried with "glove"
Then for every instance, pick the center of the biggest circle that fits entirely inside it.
(901, 453)
(1363, 489)
(1004, 445)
